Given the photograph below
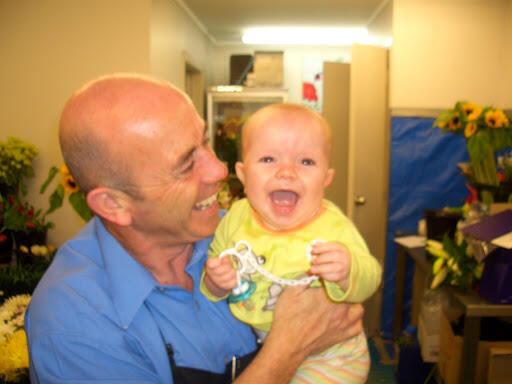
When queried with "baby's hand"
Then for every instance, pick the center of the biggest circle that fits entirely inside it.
(221, 273)
(331, 261)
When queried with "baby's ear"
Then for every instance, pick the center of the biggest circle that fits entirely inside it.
(328, 177)
(240, 171)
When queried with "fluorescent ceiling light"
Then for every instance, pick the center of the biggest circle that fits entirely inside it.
(305, 36)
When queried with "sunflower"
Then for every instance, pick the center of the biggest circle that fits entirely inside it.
(471, 111)
(64, 170)
(495, 118)
(69, 184)
(470, 129)
(454, 124)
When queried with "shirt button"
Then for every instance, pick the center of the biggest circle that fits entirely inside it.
(161, 289)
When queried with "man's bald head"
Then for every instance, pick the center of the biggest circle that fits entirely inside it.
(104, 118)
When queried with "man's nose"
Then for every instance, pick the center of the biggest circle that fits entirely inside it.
(213, 169)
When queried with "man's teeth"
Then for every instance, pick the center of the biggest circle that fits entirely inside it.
(206, 203)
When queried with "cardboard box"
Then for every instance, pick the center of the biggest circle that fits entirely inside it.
(429, 342)
(268, 69)
(500, 366)
(450, 355)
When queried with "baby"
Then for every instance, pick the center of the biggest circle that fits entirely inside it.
(291, 232)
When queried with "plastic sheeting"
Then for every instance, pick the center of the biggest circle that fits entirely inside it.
(423, 175)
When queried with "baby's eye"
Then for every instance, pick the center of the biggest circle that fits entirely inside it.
(308, 162)
(266, 159)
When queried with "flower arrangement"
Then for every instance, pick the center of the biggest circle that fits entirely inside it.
(454, 262)
(20, 216)
(487, 130)
(13, 340)
(16, 158)
(67, 186)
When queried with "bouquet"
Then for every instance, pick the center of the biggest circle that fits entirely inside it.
(487, 130)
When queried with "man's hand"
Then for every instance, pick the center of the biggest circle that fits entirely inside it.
(220, 275)
(331, 261)
(312, 321)
(305, 322)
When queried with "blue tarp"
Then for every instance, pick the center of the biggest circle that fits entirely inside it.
(423, 175)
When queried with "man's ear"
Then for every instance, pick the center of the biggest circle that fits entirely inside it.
(328, 177)
(111, 205)
(240, 171)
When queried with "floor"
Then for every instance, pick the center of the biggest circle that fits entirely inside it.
(382, 370)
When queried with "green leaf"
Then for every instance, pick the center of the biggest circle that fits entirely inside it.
(23, 188)
(55, 199)
(478, 145)
(444, 117)
(79, 204)
(51, 174)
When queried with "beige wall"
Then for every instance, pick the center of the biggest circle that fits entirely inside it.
(506, 101)
(449, 50)
(49, 48)
(172, 34)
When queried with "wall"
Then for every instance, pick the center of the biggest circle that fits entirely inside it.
(173, 34)
(449, 50)
(294, 57)
(506, 101)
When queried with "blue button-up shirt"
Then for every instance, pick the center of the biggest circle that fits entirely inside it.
(97, 315)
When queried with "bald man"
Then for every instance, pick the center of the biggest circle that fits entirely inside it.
(121, 301)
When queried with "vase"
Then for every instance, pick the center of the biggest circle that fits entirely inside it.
(500, 194)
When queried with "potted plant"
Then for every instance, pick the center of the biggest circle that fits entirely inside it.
(487, 131)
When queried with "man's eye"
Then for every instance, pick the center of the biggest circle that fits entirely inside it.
(308, 162)
(266, 159)
(188, 168)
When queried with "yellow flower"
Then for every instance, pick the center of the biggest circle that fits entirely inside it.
(496, 118)
(64, 170)
(470, 129)
(472, 111)
(14, 356)
(454, 123)
(69, 183)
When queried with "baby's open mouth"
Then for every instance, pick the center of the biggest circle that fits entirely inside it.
(284, 200)
(206, 203)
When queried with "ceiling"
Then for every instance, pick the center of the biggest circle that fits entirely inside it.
(225, 20)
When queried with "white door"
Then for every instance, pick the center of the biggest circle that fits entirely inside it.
(361, 150)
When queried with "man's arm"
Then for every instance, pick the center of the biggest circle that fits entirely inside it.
(305, 322)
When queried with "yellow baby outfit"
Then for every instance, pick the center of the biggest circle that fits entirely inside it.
(283, 253)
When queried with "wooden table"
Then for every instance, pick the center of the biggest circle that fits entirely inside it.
(475, 308)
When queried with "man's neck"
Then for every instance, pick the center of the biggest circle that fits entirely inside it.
(165, 261)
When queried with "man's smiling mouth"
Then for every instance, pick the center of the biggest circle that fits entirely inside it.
(206, 203)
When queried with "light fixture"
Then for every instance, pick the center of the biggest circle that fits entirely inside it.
(305, 36)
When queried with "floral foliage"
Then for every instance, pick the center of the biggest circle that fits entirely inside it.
(454, 262)
(13, 341)
(67, 186)
(16, 158)
(20, 216)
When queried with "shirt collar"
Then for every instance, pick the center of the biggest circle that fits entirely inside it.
(130, 283)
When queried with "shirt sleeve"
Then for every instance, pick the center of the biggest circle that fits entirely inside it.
(60, 359)
(365, 271)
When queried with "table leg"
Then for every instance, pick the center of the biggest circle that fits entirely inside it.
(469, 349)
(399, 291)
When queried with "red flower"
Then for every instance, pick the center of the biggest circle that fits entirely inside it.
(21, 208)
(2, 237)
(31, 225)
(2, 205)
(30, 213)
(501, 177)
(11, 200)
